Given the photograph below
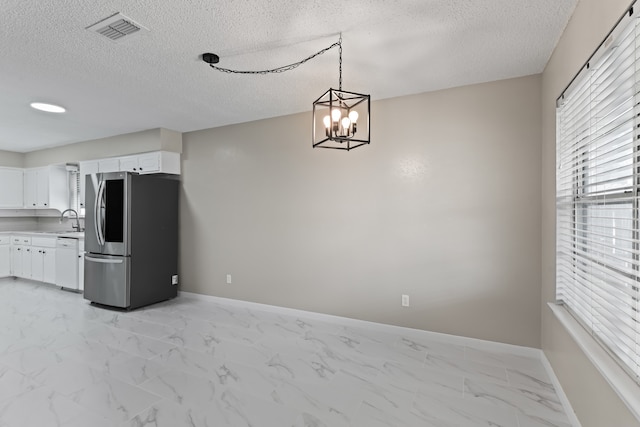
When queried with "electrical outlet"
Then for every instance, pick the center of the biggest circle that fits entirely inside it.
(228, 279)
(405, 300)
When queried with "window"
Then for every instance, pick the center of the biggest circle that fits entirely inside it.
(597, 195)
(73, 182)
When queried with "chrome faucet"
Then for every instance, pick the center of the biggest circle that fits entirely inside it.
(77, 226)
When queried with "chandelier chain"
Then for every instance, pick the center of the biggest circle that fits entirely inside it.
(340, 49)
(286, 67)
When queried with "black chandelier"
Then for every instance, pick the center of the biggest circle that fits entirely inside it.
(341, 119)
(336, 115)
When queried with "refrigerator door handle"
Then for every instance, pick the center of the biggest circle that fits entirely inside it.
(103, 260)
(98, 217)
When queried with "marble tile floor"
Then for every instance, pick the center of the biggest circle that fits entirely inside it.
(190, 362)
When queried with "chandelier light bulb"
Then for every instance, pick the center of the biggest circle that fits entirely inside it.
(336, 114)
(327, 121)
(346, 123)
(353, 116)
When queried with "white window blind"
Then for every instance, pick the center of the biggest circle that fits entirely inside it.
(597, 204)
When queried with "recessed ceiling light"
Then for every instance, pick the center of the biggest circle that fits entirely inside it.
(49, 108)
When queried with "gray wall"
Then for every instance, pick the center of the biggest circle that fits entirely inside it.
(591, 397)
(444, 205)
(11, 159)
(131, 143)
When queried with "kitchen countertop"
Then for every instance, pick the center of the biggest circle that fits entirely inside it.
(63, 233)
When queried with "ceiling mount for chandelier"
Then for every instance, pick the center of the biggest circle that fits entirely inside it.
(340, 118)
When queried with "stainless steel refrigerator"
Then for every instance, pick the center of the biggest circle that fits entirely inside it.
(131, 239)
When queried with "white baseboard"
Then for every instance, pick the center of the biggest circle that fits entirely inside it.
(568, 409)
(624, 386)
(404, 331)
(382, 327)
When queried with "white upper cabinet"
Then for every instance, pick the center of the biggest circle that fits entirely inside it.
(145, 163)
(86, 168)
(129, 164)
(42, 188)
(154, 162)
(109, 165)
(12, 188)
(30, 188)
(46, 188)
(141, 163)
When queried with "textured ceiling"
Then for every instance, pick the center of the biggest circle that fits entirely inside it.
(156, 79)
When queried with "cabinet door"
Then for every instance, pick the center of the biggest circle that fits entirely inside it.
(5, 260)
(129, 164)
(30, 185)
(86, 168)
(26, 262)
(16, 261)
(109, 165)
(81, 265)
(49, 265)
(149, 162)
(12, 188)
(42, 188)
(37, 263)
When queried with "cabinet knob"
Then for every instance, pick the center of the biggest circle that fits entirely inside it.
(140, 168)
(45, 204)
(34, 204)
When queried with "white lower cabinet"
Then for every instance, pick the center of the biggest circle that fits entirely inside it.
(81, 265)
(5, 256)
(16, 261)
(27, 266)
(33, 258)
(43, 264)
(49, 266)
(49, 259)
(21, 256)
(43, 259)
(37, 264)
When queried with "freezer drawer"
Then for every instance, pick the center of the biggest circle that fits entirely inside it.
(107, 279)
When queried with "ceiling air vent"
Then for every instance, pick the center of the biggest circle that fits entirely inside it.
(116, 27)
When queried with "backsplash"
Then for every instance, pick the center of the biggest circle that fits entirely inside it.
(37, 223)
(18, 224)
(54, 224)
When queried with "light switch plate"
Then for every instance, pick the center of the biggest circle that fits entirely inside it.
(174, 279)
